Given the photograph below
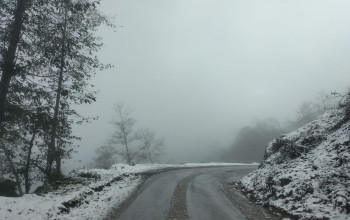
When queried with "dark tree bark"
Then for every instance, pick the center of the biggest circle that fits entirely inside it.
(54, 154)
(8, 66)
(27, 169)
(13, 169)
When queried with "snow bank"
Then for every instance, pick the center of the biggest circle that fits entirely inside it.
(306, 172)
(86, 194)
(89, 194)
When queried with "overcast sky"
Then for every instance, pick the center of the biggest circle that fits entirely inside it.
(196, 71)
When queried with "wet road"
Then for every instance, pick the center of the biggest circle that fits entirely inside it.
(186, 194)
(205, 200)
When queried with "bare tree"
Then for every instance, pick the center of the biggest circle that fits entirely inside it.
(152, 148)
(124, 134)
(134, 146)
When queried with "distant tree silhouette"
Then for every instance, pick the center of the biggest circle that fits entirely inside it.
(151, 148)
(124, 134)
(250, 142)
(106, 156)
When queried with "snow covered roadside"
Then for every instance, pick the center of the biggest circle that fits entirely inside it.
(306, 172)
(90, 193)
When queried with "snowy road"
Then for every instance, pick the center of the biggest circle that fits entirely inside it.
(186, 194)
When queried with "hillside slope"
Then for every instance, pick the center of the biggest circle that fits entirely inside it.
(306, 172)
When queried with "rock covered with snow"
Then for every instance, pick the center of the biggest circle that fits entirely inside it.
(306, 172)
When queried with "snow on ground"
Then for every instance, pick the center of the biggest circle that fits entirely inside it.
(306, 172)
(87, 194)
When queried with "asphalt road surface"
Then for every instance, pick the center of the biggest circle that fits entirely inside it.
(194, 194)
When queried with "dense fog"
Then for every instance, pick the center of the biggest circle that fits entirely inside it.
(203, 73)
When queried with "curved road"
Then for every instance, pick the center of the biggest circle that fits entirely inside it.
(205, 200)
(186, 194)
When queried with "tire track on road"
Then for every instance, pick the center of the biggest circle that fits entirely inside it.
(178, 206)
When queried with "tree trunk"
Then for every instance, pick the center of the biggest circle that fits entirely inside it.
(8, 66)
(125, 138)
(8, 71)
(58, 159)
(13, 169)
(127, 148)
(53, 153)
(149, 154)
(27, 169)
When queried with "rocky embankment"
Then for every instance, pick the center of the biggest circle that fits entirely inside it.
(306, 172)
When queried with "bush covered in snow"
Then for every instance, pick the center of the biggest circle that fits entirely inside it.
(306, 172)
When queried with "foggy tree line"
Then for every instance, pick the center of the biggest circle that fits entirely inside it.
(47, 58)
(128, 143)
(250, 142)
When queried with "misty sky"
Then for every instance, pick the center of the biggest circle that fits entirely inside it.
(196, 71)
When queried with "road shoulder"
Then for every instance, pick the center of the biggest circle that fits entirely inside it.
(251, 210)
